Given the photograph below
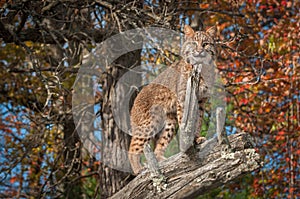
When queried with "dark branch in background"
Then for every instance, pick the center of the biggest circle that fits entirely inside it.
(36, 35)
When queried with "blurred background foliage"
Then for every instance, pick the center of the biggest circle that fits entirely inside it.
(43, 44)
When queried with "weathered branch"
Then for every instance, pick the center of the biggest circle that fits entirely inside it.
(203, 168)
(190, 113)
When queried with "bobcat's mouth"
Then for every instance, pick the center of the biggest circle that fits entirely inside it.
(196, 57)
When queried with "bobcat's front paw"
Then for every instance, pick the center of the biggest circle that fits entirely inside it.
(160, 158)
(200, 140)
(139, 171)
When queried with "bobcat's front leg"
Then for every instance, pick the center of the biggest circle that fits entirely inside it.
(198, 138)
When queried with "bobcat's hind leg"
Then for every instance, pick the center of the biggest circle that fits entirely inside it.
(165, 137)
(142, 133)
(135, 152)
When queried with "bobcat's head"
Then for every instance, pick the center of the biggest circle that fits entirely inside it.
(198, 45)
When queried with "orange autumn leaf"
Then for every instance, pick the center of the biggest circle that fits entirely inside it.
(204, 6)
(13, 179)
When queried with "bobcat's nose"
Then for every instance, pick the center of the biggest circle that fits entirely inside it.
(202, 53)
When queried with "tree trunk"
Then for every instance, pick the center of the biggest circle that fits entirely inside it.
(72, 159)
(114, 142)
(202, 168)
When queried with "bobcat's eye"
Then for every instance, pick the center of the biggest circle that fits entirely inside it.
(196, 37)
(205, 44)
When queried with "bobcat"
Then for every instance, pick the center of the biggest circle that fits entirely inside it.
(158, 108)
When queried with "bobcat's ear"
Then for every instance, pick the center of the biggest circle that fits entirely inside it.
(212, 31)
(188, 31)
